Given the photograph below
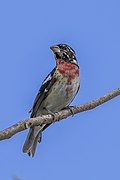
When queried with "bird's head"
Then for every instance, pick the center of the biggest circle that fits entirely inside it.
(64, 52)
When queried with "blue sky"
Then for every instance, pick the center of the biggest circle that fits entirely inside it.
(86, 146)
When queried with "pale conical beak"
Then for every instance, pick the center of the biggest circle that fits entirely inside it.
(55, 49)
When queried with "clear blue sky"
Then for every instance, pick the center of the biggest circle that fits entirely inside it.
(86, 146)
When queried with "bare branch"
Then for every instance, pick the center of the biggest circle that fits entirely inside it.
(46, 119)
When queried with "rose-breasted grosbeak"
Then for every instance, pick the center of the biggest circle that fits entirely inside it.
(57, 91)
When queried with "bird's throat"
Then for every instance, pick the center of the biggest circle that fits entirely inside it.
(67, 69)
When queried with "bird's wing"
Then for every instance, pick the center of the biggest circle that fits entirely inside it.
(43, 91)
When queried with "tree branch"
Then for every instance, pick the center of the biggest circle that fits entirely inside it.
(46, 119)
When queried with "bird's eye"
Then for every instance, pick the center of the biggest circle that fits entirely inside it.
(57, 56)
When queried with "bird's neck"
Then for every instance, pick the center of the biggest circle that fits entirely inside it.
(64, 67)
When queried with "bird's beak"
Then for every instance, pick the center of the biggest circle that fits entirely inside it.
(55, 49)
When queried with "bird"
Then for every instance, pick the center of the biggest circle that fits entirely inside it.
(57, 91)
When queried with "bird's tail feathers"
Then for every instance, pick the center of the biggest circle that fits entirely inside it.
(34, 136)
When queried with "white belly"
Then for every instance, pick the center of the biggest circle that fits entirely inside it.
(60, 96)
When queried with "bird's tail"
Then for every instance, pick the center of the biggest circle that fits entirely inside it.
(34, 136)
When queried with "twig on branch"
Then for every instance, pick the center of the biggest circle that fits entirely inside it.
(46, 119)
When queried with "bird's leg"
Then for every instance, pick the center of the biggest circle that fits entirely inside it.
(50, 112)
(69, 108)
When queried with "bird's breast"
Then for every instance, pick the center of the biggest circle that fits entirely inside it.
(68, 70)
(64, 89)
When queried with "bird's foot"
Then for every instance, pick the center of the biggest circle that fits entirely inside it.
(70, 109)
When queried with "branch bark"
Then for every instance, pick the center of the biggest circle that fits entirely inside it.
(46, 119)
